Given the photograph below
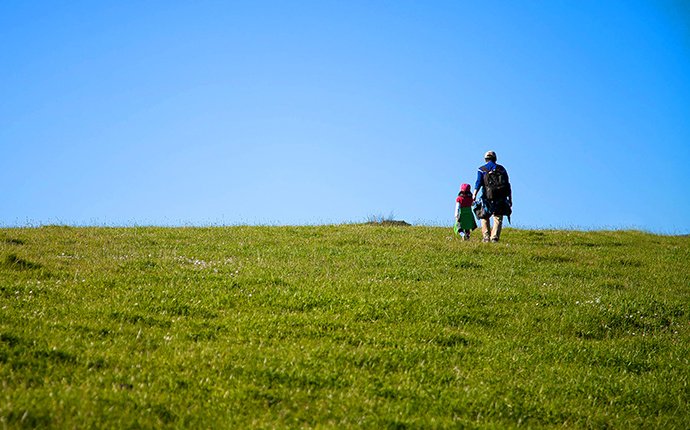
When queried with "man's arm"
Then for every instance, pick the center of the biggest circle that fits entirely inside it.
(478, 183)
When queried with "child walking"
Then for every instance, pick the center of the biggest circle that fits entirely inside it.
(463, 212)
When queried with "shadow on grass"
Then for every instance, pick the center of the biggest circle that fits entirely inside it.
(13, 262)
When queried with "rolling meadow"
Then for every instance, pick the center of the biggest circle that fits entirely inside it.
(342, 326)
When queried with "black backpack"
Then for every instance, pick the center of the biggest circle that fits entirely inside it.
(496, 182)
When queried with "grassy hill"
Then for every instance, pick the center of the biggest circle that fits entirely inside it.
(342, 326)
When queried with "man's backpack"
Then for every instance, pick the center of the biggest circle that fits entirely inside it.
(496, 182)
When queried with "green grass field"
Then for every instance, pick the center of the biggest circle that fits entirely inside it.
(342, 326)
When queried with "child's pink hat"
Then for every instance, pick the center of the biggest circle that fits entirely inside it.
(465, 188)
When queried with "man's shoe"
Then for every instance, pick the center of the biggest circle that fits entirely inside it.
(486, 239)
(494, 240)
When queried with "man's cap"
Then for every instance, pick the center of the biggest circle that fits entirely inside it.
(490, 155)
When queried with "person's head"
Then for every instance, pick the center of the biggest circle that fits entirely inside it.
(465, 189)
(490, 156)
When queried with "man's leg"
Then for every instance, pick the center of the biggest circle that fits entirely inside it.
(498, 225)
(486, 230)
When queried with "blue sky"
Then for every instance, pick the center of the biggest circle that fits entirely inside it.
(319, 112)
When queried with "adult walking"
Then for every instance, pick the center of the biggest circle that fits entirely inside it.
(496, 198)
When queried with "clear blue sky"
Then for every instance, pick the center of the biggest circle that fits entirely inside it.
(319, 112)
